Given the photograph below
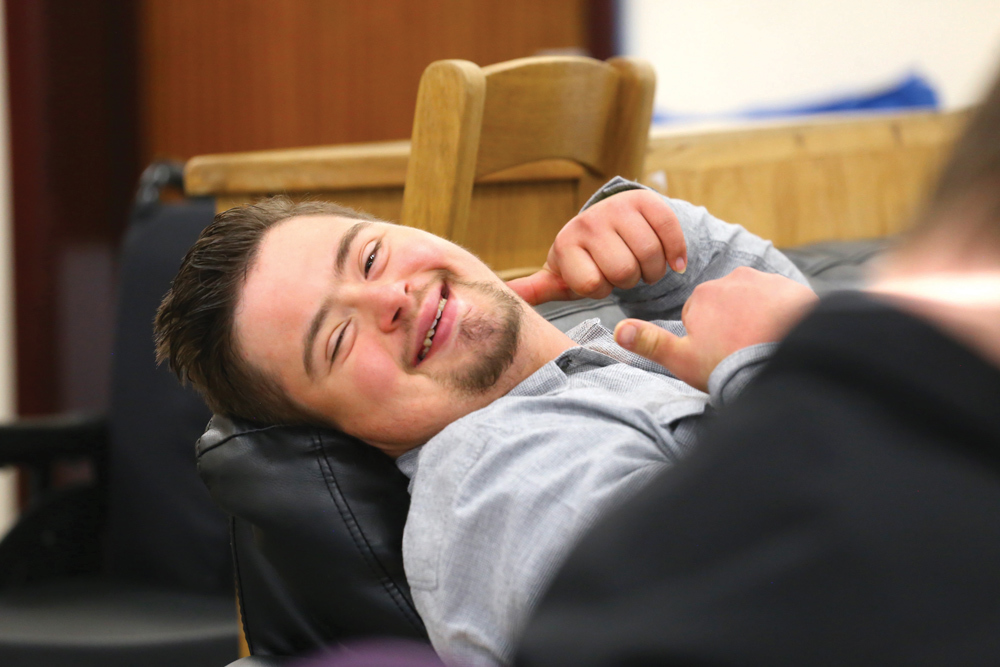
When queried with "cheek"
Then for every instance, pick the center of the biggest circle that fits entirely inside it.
(384, 405)
(374, 376)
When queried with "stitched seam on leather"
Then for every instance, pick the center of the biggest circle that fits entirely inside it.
(361, 542)
(395, 594)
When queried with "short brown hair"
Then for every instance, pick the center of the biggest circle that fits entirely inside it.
(194, 328)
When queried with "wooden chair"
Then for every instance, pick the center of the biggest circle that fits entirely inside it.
(473, 122)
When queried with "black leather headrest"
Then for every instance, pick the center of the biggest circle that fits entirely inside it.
(327, 513)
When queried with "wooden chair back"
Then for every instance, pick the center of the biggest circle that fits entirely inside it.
(472, 122)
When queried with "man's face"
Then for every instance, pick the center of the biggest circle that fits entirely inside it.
(388, 332)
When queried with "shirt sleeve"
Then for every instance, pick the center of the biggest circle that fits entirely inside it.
(714, 249)
(735, 372)
(729, 378)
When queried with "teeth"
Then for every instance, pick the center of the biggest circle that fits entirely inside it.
(430, 332)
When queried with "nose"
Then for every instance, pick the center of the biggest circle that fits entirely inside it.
(390, 302)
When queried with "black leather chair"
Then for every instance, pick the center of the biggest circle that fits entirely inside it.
(317, 528)
(317, 534)
(134, 568)
(317, 516)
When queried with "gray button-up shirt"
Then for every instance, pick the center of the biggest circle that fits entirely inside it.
(500, 496)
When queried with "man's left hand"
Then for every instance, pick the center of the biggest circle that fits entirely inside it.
(721, 316)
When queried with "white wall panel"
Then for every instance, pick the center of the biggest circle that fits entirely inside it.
(714, 56)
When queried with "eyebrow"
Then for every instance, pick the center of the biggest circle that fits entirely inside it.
(345, 245)
(343, 250)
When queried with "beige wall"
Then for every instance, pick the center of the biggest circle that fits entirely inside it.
(7, 401)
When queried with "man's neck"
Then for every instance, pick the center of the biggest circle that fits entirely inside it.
(541, 342)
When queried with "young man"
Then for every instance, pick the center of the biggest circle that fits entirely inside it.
(516, 436)
(844, 510)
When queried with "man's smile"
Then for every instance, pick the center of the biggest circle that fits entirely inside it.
(430, 330)
(436, 322)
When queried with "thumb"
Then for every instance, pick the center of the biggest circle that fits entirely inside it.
(648, 340)
(672, 352)
(541, 287)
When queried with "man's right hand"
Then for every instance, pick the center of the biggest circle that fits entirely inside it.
(722, 316)
(628, 236)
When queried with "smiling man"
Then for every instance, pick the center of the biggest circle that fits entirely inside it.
(516, 436)
(382, 330)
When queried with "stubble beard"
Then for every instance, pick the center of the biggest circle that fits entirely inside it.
(493, 334)
(496, 335)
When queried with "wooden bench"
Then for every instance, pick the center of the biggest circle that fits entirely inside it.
(793, 181)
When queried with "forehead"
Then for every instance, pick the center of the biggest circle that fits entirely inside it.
(284, 285)
(294, 256)
(304, 243)
(302, 232)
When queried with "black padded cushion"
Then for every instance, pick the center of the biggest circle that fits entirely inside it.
(833, 266)
(327, 514)
(162, 527)
(93, 622)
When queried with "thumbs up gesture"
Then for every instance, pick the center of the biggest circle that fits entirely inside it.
(614, 243)
(722, 316)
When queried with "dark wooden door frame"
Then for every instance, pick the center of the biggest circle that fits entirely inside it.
(73, 164)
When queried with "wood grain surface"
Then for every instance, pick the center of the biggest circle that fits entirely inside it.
(803, 180)
(241, 75)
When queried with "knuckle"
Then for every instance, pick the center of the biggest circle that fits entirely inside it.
(648, 252)
(589, 285)
(641, 194)
(557, 253)
(563, 237)
(595, 287)
(623, 273)
(587, 223)
(624, 276)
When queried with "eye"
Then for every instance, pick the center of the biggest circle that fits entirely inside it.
(371, 257)
(336, 347)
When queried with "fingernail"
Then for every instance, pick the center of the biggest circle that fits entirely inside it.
(680, 266)
(625, 334)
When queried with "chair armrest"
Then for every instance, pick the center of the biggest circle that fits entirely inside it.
(40, 439)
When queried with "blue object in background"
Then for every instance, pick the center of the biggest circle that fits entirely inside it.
(913, 92)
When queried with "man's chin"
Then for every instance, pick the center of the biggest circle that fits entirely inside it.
(493, 341)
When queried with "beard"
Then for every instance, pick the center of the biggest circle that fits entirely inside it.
(496, 336)
(493, 333)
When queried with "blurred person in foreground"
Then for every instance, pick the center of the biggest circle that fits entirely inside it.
(846, 509)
